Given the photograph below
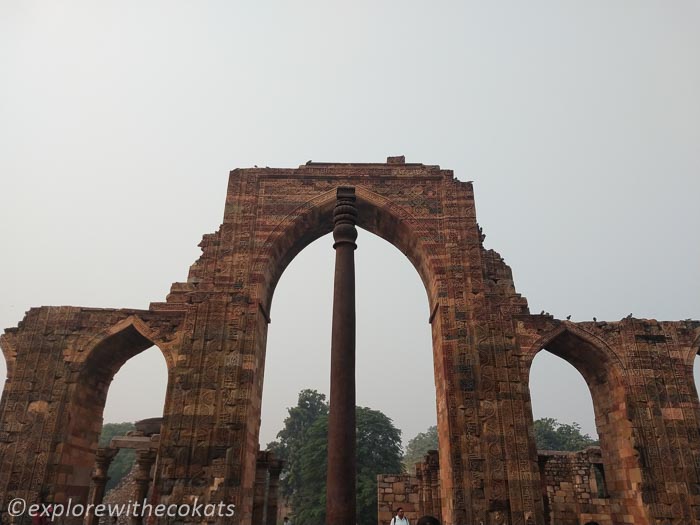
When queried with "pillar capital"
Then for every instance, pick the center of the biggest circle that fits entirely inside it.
(345, 217)
(103, 459)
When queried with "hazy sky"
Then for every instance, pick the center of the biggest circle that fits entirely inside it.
(578, 121)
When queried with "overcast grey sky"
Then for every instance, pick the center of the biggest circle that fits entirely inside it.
(578, 121)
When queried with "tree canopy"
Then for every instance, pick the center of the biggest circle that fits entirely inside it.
(310, 406)
(305, 447)
(550, 434)
(419, 446)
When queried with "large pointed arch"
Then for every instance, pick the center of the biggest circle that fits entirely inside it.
(419, 240)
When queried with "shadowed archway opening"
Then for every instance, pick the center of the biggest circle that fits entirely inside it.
(619, 478)
(384, 219)
(88, 399)
(136, 392)
(558, 391)
(564, 427)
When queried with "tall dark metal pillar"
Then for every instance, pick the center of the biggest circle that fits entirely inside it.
(340, 483)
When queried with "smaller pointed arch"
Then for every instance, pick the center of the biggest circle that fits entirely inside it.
(100, 359)
(586, 352)
(605, 375)
(114, 346)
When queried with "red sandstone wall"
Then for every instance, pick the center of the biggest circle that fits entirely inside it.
(573, 491)
(398, 490)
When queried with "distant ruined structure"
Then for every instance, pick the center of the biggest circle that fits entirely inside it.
(212, 332)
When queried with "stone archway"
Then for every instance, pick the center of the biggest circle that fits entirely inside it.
(271, 214)
(214, 327)
(99, 361)
(604, 374)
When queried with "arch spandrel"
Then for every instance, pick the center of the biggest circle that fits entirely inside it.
(691, 341)
(586, 351)
(313, 219)
(142, 336)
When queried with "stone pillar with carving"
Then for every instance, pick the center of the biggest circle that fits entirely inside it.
(424, 491)
(433, 474)
(340, 482)
(273, 491)
(145, 458)
(103, 459)
(260, 489)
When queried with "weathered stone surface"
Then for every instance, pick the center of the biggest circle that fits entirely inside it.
(574, 485)
(212, 332)
(418, 494)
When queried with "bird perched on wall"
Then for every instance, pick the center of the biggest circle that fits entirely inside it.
(568, 318)
(595, 320)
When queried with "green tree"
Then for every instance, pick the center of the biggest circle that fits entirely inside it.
(419, 446)
(310, 406)
(552, 435)
(124, 460)
(378, 452)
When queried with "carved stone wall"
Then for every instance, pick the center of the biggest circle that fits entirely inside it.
(212, 331)
(574, 489)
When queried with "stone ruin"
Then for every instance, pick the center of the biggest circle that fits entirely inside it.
(136, 485)
(212, 330)
(574, 489)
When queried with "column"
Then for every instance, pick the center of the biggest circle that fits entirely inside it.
(103, 458)
(260, 488)
(434, 469)
(272, 491)
(426, 496)
(142, 479)
(340, 483)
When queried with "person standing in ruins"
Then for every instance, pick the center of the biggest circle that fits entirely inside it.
(399, 519)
